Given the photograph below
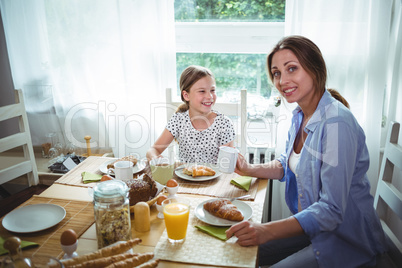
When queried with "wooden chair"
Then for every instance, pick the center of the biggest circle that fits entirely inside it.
(228, 109)
(388, 199)
(22, 138)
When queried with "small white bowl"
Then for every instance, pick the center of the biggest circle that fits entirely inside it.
(172, 190)
(160, 209)
(70, 250)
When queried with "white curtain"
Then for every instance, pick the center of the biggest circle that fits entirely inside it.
(354, 37)
(92, 67)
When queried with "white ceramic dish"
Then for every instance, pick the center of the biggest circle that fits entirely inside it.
(33, 218)
(137, 168)
(208, 218)
(179, 173)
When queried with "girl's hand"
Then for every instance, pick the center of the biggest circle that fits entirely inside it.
(248, 233)
(241, 165)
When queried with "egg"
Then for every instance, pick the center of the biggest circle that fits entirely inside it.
(106, 178)
(160, 199)
(68, 237)
(172, 183)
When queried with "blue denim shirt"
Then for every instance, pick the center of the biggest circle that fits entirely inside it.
(331, 183)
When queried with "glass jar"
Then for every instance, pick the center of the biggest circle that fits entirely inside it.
(112, 212)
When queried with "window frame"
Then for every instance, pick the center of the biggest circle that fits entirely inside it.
(227, 37)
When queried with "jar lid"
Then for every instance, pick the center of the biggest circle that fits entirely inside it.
(110, 189)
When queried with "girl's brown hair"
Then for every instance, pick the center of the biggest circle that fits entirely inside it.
(188, 78)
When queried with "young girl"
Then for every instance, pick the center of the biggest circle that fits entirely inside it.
(198, 129)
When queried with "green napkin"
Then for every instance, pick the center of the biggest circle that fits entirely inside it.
(242, 182)
(24, 244)
(88, 177)
(218, 232)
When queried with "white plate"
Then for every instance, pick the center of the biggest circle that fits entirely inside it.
(33, 218)
(207, 217)
(179, 173)
(137, 168)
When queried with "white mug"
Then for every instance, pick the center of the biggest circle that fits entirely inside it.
(123, 170)
(227, 159)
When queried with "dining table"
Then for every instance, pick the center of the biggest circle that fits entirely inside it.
(198, 250)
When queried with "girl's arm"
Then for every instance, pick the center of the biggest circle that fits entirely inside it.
(229, 144)
(160, 145)
(271, 170)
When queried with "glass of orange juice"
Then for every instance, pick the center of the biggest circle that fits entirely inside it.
(176, 211)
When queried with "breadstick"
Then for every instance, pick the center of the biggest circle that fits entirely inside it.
(150, 264)
(103, 252)
(102, 262)
(133, 262)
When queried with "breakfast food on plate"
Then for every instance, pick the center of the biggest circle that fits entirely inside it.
(197, 171)
(114, 249)
(106, 178)
(125, 158)
(224, 209)
(172, 183)
(141, 189)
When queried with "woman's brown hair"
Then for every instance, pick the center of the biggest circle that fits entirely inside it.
(309, 56)
(338, 97)
(188, 78)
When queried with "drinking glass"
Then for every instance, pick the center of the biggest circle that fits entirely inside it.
(162, 169)
(176, 212)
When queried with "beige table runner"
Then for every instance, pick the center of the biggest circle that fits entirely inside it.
(218, 187)
(91, 164)
(79, 217)
(201, 248)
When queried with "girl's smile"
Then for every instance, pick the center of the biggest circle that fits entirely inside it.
(202, 96)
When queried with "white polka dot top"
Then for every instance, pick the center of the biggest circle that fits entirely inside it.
(200, 146)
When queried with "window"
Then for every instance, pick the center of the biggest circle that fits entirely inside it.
(232, 38)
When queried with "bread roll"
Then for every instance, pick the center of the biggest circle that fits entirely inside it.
(224, 209)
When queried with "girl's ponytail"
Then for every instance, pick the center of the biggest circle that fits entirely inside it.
(182, 108)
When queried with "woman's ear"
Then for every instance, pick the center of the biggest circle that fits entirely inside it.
(185, 95)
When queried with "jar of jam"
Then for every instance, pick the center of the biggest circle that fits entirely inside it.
(112, 212)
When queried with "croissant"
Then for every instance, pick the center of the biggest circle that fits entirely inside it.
(197, 171)
(224, 209)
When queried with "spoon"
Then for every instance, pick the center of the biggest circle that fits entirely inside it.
(239, 197)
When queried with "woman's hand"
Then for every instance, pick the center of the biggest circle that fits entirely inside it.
(253, 234)
(241, 165)
(249, 233)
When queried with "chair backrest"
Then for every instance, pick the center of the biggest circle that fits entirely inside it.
(388, 199)
(22, 138)
(229, 109)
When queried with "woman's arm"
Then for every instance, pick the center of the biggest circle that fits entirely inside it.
(160, 145)
(252, 234)
(270, 170)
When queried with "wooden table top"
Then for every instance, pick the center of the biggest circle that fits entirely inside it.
(87, 242)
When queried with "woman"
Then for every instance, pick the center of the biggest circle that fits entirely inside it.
(198, 129)
(324, 166)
